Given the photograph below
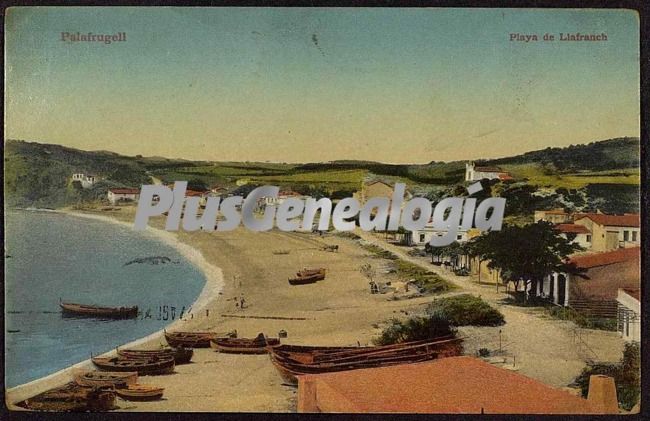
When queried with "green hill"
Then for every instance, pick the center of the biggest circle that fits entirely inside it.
(601, 174)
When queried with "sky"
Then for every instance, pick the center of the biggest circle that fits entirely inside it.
(310, 84)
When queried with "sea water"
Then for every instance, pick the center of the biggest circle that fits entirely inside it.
(51, 257)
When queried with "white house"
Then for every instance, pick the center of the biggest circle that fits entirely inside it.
(629, 313)
(474, 173)
(123, 195)
(282, 196)
(86, 180)
(424, 235)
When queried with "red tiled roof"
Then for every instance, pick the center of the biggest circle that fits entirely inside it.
(505, 176)
(289, 193)
(627, 220)
(124, 191)
(587, 261)
(572, 228)
(193, 193)
(633, 292)
(447, 385)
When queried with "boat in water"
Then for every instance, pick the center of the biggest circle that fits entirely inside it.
(85, 310)
(140, 392)
(144, 366)
(257, 345)
(181, 355)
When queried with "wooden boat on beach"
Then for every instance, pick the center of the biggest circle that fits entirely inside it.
(181, 355)
(140, 392)
(308, 276)
(145, 366)
(72, 397)
(106, 378)
(195, 339)
(257, 345)
(84, 310)
(292, 364)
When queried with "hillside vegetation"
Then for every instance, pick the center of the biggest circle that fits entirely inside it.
(603, 175)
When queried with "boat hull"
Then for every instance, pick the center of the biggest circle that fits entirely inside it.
(243, 346)
(180, 355)
(148, 367)
(140, 393)
(83, 310)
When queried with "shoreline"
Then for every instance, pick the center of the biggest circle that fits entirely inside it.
(213, 287)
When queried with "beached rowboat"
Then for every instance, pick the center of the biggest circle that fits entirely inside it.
(308, 276)
(72, 397)
(83, 310)
(293, 364)
(140, 392)
(145, 366)
(257, 345)
(195, 339)
(181, 355)
(105, 378)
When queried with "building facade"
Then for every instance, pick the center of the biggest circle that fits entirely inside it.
(554, 216)
(474, 173)
(610, 232)
(629, 313)
(86, 180)
(123, 195)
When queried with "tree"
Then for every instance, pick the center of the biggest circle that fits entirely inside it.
(197, 184)
(527, 253)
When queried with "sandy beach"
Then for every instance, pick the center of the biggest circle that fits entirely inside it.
(337, 311)
(241, 263)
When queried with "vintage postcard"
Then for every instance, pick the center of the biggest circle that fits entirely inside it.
(351, 210)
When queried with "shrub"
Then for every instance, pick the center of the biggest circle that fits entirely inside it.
(427, 282)
(483, 352)
(626, 374)
(566, 313)
(415, 329)
(466, 310)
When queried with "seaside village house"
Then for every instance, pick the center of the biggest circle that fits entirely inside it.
(629, 313)
(86, 180)
(474, 173)
(459, 385)
(423, 236)
(604, 273)
(378, 188)
(122, 195)
(282, 196)
(609, 232)
(554, 216)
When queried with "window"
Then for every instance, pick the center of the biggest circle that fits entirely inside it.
(589, 238)
(422, 238)
(626, 235)
(459, 237)
(634, 235)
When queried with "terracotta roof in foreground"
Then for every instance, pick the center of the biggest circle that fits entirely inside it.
(448, 385)
(607, 258)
